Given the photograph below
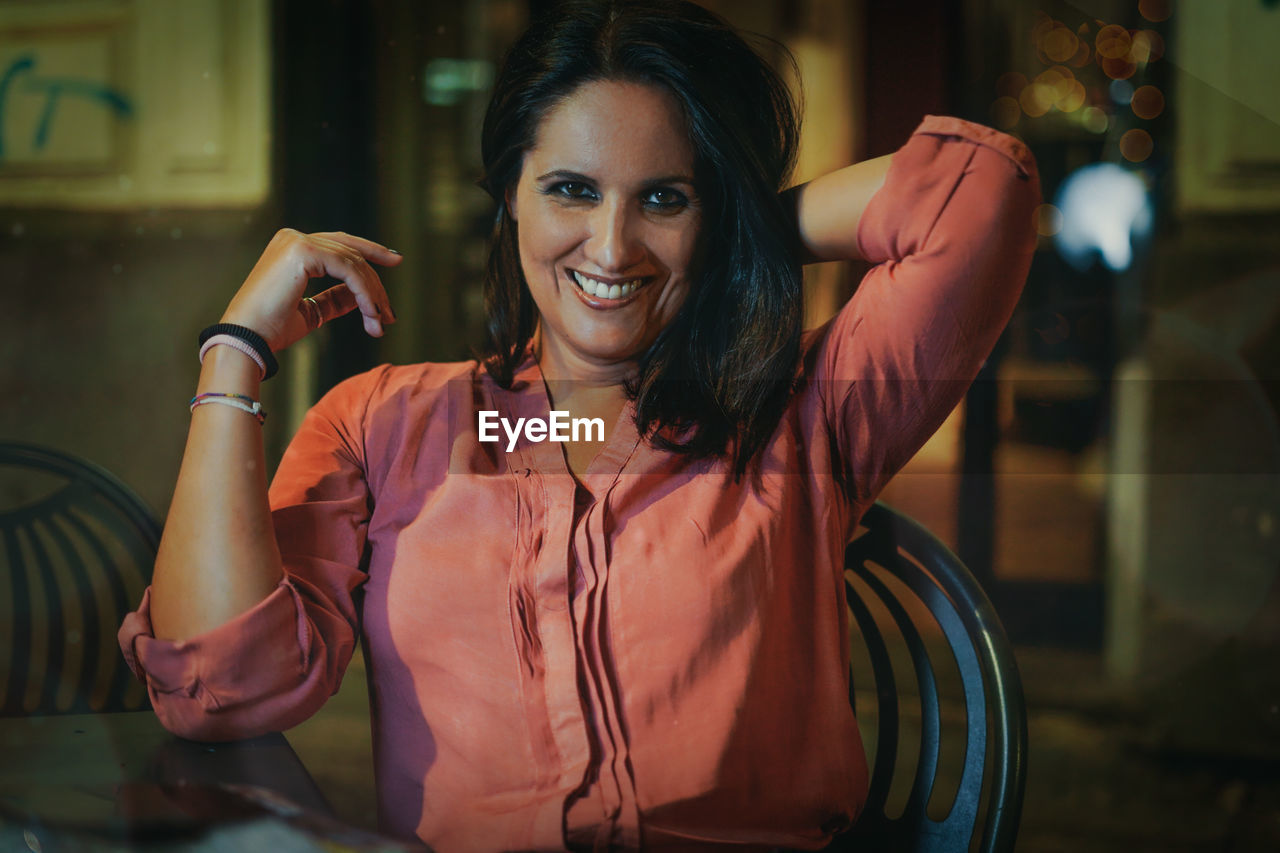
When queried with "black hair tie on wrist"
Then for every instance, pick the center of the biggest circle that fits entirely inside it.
(250, 337)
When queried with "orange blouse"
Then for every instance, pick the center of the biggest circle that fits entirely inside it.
(659, 657)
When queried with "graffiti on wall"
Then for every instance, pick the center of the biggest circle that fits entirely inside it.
(22, 76)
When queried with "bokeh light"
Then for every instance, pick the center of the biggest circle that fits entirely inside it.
(1043, 37)
(1105, 208)
(1048, 219)
(1136, 145)
(1083, 54)
(1113, 42)
(1057, 82)
(1005, 112)
(1036, 99)
(1011, 83)
(1147, 102)
(1043, 25)
(1117, 69)
(1148, 46)
(1118, 52)
(1074, 99)
(1094, 120)
(1154, 10)
(1059, 44)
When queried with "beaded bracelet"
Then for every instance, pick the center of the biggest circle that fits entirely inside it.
(250, 337)
(239, 401)
(237, 344)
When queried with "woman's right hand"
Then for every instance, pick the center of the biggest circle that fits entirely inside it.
(218, 556)
(270, 300)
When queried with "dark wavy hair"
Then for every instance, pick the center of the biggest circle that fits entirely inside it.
(716, 380)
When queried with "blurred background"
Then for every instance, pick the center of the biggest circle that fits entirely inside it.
(1111, 478)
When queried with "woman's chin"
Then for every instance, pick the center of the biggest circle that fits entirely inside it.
(602, 351)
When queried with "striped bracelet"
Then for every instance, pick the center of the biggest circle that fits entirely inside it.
(239, 401)
(238, 344)
(250, 337)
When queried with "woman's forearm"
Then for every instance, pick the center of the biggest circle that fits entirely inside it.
(218, 555)
(828, 209)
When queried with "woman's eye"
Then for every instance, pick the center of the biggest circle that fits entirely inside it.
(572, 189)
(666, 199)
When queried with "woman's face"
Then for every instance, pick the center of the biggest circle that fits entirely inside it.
(607, 222)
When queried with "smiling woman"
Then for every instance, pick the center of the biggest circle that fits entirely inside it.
(627, 639)
(607, 246)
(681, 163)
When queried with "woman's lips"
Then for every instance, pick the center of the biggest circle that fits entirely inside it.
(604, 294)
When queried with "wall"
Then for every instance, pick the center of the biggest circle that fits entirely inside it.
(134, 196)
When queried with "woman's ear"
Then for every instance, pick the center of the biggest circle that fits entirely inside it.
(509, 197)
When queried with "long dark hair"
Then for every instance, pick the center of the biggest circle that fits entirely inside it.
(716, 380)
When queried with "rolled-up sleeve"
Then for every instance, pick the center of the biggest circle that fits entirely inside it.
(271, 667)
(951, 235)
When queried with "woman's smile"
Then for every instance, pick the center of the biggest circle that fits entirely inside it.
(608, 222)
(606, 293)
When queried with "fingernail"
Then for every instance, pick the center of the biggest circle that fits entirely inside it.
(393, 251)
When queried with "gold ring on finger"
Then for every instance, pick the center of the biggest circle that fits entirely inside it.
(311, 312)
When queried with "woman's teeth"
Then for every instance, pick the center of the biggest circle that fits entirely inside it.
(602, 290)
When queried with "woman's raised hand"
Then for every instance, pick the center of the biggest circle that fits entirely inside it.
(218, 556)
(270, 302)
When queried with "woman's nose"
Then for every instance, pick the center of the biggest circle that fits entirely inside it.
(613, 245)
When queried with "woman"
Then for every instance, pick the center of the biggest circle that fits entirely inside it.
(630, 639)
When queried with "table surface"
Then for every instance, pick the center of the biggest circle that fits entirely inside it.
(121, 782)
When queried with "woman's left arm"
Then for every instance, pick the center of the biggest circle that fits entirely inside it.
(947, 223)
(828, 209)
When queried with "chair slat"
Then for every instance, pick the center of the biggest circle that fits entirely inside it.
(994, 708)
(96, 536)
(20, 592)
(926, 770)
(887, 704)
(82, 590)
(110, 575)
(55, 633)
(994, 666)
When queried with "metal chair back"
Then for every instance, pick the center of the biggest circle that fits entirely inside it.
(912, 602)
(76, 548)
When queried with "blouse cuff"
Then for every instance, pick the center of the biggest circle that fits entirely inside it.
(226, 666)
(922, 179)
(1013, 148)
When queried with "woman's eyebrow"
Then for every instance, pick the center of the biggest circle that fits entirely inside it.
(669, 179)
(566, 175)
(569, 175)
